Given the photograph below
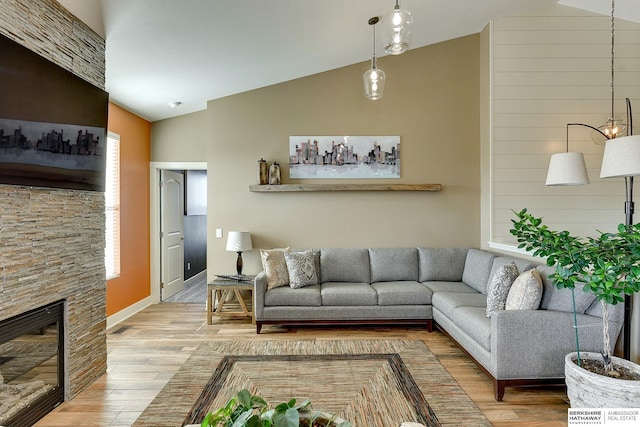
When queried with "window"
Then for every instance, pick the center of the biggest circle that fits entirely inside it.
(112, 206)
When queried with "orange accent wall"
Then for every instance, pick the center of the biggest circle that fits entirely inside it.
(133, 284)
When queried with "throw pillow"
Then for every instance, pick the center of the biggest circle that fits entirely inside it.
(302, 269)
(526, 292)
(498, 288)
(275, 267)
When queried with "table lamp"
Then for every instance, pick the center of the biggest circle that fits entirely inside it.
(239, 241)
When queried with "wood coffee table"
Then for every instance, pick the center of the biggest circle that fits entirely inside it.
(221, 289)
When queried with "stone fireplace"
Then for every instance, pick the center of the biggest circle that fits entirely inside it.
(52, 249)
(52, 240)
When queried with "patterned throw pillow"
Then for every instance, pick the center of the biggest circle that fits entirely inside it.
(498, 289)
(302, 269)
(275, 267)
(526, 292)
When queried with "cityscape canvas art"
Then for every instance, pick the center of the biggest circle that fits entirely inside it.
(56, 154)
(344, 157)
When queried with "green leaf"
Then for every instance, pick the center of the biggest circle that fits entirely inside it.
(207, 421)
(282, 407)
(244, 398)
(243, 418)
(289, 418)
(258, 402)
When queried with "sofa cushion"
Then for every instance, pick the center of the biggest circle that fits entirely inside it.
(344, 265)
(302, 269)
(437, 286)
(499, 261)
(275, 267)
(477, 267)
(286, 296)
(393, 264)
(474, 322)
(441, 264)
(521, 263)
(402, 293)
(447, 302)
(316, 258)
(498, 288)
(345, 293)
(526, 292)
(560, 299)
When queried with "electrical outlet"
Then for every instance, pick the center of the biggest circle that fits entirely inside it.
(188, 266)
(218, 233)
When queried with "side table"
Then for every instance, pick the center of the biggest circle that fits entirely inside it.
(220, 289)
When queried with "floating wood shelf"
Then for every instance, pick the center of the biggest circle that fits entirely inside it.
(343, 187)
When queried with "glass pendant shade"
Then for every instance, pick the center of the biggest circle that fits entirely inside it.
(621, 157)
(373, 78)
(398, 29)
(614, 128)
(373, 82)
(567, 169)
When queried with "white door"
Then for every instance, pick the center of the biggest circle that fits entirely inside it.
(171, 233)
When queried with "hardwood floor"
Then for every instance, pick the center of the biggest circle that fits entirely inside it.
(147, 349)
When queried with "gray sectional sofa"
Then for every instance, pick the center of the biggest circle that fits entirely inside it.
(447, 286)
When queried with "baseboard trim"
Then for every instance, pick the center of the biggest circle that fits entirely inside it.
(124, 314)
(196, 277)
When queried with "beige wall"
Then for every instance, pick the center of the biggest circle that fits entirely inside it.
(485, 135)
(180, 139)
(431, 100)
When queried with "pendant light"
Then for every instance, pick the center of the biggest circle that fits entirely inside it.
(374, 78)
(614, 127)
(568, 168)
(398, 28)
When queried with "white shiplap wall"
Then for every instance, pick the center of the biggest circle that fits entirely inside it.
(550, 67)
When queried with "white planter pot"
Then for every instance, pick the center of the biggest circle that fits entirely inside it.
(324, 418)
(588, 390)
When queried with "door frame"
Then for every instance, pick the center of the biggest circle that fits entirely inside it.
(154, 220)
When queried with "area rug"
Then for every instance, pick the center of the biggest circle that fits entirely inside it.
(368, 382)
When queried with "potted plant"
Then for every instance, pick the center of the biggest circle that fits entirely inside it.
(247, 410)
(609, 267)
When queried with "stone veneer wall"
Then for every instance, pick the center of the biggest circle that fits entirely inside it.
(52, 240)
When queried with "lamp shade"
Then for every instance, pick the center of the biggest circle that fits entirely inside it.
(567, 169)
(621, 157)
(239, 241)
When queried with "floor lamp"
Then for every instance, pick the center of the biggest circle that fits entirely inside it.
(622, 159)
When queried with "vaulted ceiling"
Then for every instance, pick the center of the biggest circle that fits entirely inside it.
(191, 51)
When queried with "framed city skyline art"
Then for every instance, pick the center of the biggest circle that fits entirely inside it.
(344, 157)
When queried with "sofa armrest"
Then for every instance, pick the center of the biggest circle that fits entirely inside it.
(259, 289)
(533, 343)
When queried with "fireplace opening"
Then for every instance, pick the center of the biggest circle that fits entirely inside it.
(31, 365)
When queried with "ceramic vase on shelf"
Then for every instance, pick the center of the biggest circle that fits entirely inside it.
(274, 174)
(263, 172)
